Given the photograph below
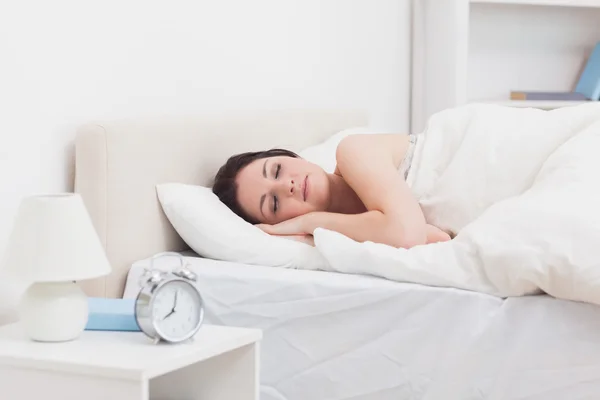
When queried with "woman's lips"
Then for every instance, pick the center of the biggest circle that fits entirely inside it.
(305, 191)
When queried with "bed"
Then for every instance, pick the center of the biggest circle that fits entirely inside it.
(326, 335)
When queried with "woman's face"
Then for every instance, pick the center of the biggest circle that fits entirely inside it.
(275, 189)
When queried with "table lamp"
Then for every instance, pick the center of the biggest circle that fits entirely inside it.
(54, 244)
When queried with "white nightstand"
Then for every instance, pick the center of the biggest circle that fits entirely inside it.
(222, 363)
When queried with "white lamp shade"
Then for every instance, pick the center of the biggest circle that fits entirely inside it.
(53, 240)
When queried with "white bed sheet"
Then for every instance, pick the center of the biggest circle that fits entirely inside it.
(339, 336)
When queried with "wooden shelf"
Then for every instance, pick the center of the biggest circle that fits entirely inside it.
(545, 105)
(560, 3)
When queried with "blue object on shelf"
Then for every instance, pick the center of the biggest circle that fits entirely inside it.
(589, 82)
(111, 315)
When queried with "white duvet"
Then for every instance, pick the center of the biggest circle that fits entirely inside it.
(519, 187)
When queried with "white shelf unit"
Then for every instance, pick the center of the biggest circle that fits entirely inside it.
(467, 51)
(560, 3)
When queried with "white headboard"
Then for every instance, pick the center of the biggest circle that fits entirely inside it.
(119, 163)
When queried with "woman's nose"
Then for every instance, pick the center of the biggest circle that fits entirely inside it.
(288, 187)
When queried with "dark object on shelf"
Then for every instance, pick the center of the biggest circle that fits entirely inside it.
(556, 96)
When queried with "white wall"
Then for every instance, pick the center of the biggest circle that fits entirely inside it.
(64, 62)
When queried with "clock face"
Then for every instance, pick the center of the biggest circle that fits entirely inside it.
(176, 310)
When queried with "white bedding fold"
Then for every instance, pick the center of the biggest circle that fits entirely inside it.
(520, 187)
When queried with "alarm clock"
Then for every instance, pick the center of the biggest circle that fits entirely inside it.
(169, 307)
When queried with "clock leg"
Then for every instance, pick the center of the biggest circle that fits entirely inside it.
(232, 375)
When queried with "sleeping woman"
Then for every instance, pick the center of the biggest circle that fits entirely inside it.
(366, 198)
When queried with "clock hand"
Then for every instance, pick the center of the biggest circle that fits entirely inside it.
(175, 305)
(169, 314)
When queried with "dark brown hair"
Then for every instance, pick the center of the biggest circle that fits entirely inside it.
(225, 186)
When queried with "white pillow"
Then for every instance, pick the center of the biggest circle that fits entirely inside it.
(323, 154)
(213, 231)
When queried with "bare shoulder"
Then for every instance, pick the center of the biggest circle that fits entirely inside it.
(378, 148)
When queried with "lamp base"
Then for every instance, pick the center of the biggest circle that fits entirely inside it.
(53, 311)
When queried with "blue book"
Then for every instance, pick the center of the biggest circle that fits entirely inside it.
(589, 81)
(111, 315)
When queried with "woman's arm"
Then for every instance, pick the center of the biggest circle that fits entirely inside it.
(302, 227)
(360, 227)
(369, 164)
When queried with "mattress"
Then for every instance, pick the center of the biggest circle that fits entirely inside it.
(338, 336)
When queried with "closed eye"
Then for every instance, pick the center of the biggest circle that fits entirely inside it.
(277, 171)
(275, 200)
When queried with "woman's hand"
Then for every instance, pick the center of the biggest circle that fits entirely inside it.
(270, 229)
(290, 229)
(306, 239)
(435, 234)
(294, 226)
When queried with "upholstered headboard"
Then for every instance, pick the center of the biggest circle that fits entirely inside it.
(119, 163)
